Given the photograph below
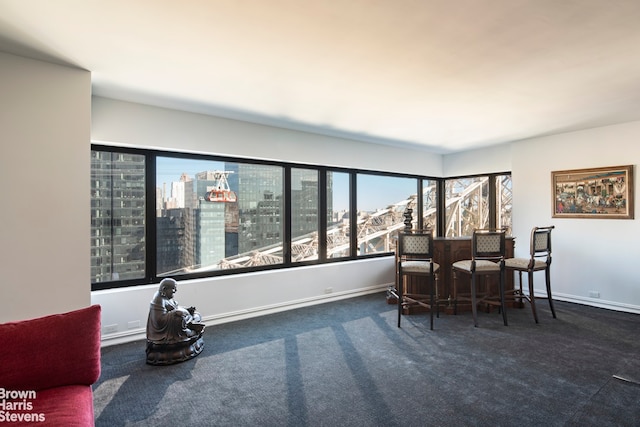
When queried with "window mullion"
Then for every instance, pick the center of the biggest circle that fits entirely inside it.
(322, 214)
(286, 240)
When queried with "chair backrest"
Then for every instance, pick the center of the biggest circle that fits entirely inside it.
(488, 244)
(415, 244)
(541, 241)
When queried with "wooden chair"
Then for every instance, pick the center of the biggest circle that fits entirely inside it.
(414, 258)
(487, 259)
(540, 259)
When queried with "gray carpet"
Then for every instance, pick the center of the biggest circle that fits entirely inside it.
(346, 363)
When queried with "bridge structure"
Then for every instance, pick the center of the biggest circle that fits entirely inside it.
(466, 205)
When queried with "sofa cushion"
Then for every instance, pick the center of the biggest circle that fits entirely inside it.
(51, 351)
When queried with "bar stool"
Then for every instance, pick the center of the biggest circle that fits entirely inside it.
(415, 258)
(487, 259)
(540, 259)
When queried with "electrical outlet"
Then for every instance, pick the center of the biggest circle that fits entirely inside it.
(594, 294)
(328, 290)
(109, 329)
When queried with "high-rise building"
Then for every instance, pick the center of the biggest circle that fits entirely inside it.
(260, 205)
(209, 217)
(117, 216)
(171, 231)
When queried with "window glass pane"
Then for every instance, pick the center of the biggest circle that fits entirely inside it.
(260, 209)
(304, 214)
(504, 201)
(338, 196)
(467, 205)
(213, 215)
(429, 204)
(117, 216)
(381, 203)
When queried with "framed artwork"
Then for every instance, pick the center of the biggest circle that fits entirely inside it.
(593, 193)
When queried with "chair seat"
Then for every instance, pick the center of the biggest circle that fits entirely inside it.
(482, 266)
(523, 264)
(418, 267)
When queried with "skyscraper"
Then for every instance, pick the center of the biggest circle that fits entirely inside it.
(117, 216)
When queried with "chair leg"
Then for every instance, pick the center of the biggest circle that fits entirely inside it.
(431, 302)
(474, 309)
(521, 294)
(455, 293)
(547, 274)
(532, 297)
(435, 282)
(503, 304)
(400, 297)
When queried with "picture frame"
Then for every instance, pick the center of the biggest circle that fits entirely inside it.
(605, 193)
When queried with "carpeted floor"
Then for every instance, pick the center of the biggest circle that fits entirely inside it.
(346, 363)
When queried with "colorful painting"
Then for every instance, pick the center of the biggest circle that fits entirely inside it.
(593, 193)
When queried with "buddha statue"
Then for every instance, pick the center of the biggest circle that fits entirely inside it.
(174, 333)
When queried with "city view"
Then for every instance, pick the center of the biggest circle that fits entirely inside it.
(241, 224)
(212, 215)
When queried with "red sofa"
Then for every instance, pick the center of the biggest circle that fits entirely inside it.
(47, 368)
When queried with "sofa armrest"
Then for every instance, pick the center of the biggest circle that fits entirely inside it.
(51, 351)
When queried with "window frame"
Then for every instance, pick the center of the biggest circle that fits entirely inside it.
(150, 155)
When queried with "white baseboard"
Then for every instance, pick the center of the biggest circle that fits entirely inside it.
(141, 333)
(596, 302)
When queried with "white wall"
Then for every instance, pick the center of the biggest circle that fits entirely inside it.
(229, 298)
(589, 254)
(598, 255)
(239, 296)
(140, 125)
(45, 155)
(493, 159)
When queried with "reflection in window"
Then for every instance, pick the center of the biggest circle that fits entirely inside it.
(467, 205)
(381, 203)
(117, 216)
(304, 214)
(338, 196)
(213, 215)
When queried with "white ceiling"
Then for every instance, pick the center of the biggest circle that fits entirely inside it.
(443, 75)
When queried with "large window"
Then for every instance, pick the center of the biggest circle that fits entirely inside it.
(213, 215)
(382, 200)
(504, 200)
(430, 204)
(156, 214)
(468, 204)
(305, 205)
(338, 214)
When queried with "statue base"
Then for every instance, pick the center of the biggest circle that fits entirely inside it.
(168, 354)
